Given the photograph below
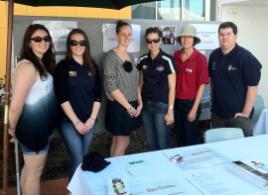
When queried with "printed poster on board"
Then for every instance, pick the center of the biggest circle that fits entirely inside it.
(59, 31)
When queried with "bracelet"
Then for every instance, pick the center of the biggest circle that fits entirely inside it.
(170, 107)
(131, 109)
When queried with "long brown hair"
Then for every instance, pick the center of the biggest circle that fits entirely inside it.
(87, 59)
(48, 59)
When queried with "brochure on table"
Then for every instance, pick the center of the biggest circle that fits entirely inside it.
(206, 169)
(196, 159)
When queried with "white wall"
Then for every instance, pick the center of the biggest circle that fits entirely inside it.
(253, 35)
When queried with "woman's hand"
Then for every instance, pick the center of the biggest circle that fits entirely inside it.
(138, 110)
(11, 132)
(191, 115)
(131, 111)
(169, 117)
(90, 123)
(81, 127)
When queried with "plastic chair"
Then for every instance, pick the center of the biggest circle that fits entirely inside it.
(258, 107)
(221, 134)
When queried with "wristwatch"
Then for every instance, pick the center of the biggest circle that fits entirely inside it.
(170, 107)
(131, 109)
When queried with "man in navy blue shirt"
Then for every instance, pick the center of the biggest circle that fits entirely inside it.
(235, 75)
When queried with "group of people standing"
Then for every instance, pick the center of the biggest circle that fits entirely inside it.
(156, 92)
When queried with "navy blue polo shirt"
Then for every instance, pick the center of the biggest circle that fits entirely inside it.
(155, 76)
(231, 74)
(74, 83)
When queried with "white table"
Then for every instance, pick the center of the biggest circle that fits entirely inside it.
(89, 183)
(261, 126)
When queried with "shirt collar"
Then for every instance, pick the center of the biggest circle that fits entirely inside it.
(159, 56)
(194, 54)
(232, 52)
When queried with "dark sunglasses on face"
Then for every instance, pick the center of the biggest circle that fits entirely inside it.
(39, 39)
(149, 41)
(75, 43)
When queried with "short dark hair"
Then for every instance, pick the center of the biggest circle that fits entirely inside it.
(228, 25)
(153, 30)
(120, 24)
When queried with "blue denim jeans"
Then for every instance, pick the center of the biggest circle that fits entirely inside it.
(156, 130)
(77, 145)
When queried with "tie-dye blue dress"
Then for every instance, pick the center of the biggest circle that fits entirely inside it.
(38, 116)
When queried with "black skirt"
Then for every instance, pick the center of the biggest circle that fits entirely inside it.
(118, 121)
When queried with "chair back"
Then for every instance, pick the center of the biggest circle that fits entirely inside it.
(258, 107)
(221, 134)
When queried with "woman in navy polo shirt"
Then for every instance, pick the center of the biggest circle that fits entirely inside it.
(157, 83)
(191, 81)
(78, 90)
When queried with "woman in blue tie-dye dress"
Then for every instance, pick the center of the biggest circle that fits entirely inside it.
(33, 107)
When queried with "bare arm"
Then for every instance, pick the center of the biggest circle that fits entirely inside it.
(22, 86)
(192, 114)
(140, 80)
(169, 118)
(121, 99)
(139, 98)
(249, 103)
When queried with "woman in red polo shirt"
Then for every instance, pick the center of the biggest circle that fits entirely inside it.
(191, 80)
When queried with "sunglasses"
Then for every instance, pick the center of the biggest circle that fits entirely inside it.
(75, 43)
(39, 39)
(149, 41)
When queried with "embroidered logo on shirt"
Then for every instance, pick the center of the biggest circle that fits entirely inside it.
(230, 68)
(144, 67)
(160, 68)
(72, 73)
(189, 70)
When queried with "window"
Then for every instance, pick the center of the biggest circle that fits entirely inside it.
(144, 11)
(173, 10)
(169, 10)
(193, 10)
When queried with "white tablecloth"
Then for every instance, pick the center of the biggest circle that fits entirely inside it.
(261, 126)
(160, 167)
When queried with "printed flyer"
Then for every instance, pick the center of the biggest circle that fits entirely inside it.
(167, 187)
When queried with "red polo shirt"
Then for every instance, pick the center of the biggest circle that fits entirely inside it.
(192, 73)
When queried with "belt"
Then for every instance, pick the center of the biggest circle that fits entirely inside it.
(184, 100)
